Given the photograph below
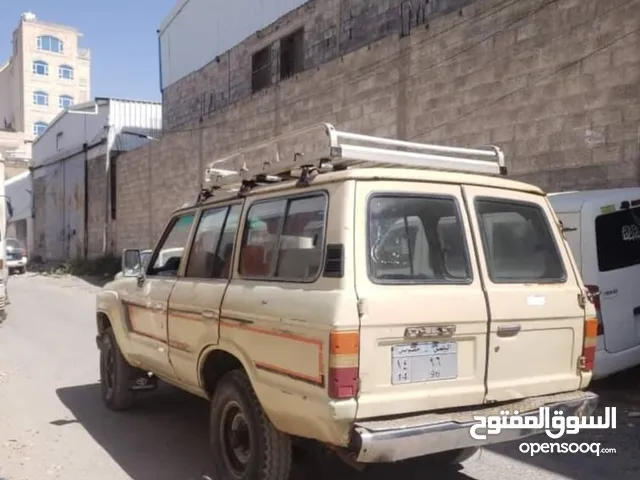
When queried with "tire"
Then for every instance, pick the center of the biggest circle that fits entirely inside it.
(116, 375)
(261, 452)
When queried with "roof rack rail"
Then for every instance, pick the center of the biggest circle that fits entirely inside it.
(321, 148)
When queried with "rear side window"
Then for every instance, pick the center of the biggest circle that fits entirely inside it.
(284, 239)
(416, 239)
(618, 239)
(518, 244)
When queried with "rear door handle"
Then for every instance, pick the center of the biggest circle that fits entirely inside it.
(209, 314)
(508, 330)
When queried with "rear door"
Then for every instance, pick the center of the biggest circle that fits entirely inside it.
(423, 326)
(536, 321)
(617, 262)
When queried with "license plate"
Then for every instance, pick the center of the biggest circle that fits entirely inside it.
(424, 362)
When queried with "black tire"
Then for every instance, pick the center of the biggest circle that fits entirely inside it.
(23, 270)
(116, 375)
(244, 443)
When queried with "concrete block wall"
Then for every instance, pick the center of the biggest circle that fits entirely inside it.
(556, 83)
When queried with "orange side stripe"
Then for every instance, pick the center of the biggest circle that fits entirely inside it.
(319, 380)
(289, 336)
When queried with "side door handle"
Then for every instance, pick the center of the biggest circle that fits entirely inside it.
(508, 330)
(209, 314)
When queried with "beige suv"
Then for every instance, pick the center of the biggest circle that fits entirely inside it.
(374, 310)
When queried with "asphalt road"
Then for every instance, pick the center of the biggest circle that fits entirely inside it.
(54, 426)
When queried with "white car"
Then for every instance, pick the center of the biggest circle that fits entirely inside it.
(16, 256)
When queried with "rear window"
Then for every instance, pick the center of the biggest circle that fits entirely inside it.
(618, 239)
(518, 244)
(13, 243)
(416, 239)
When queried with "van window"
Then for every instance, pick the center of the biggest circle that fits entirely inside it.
(415, 239)
(168, 255)
(618, 239)
(284, 238)
(518, 244)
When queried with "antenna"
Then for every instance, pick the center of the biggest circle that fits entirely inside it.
(320, 148)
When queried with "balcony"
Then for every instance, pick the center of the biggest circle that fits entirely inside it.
(84, 53)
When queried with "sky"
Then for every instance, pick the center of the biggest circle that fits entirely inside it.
(120, 33)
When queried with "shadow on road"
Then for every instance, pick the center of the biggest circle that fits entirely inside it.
(621, 391)
(165, 437)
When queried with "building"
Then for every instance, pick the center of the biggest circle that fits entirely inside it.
(75, 170)
(47, 72)
(553, 82)
(18, 191)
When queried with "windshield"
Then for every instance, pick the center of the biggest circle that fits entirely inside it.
(13, 243)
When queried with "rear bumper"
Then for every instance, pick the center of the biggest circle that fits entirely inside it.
(409, 437)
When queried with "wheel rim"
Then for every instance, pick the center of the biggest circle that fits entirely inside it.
(235, 438)
(107, 365)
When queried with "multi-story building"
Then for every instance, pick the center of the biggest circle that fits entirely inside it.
(47, 72)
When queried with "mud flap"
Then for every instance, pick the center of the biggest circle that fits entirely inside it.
(145, 382)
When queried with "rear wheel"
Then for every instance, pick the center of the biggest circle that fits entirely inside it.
(244, 443)
(116, 375)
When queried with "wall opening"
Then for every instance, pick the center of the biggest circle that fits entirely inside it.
(261, 69)
(292, 54)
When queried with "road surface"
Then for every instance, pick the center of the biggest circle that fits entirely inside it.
(54, 426)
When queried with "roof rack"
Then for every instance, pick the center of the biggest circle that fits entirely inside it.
(303, 154)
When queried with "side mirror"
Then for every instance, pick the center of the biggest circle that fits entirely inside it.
(131, 263)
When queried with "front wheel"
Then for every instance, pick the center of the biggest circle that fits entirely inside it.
(115, 374)
(244, 443)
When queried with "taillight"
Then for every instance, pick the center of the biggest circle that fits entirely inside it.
(589, 346)
(344, 351)
(594, 295)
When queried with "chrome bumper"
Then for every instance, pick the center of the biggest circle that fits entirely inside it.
(409, 437)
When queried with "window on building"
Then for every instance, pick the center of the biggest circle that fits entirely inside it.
(49, 43)
(41, 98)
(292, 54)
(39, 128)
(65, 72)
(40, 68)
(65, 101)
(284, 239)
(261, 69)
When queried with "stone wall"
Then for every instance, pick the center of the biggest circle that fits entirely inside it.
(556, 83)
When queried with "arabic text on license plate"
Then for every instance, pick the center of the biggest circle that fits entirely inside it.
(424, 362)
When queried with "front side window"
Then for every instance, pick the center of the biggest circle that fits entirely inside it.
(49, 43)
(65, 101)
(40, 68)
(168, 256)
(40, 98)
(518, 244)
(618, 239)
(416, 239)
(284, 239)
(210, 255)
(65, 72)
(39, 128)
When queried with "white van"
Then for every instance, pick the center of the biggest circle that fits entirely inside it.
(602, 228)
